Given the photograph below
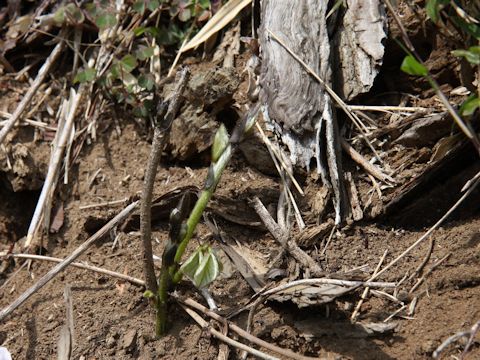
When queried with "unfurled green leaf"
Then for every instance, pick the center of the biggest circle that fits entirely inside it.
(207, 271)
(170, 35)
(147, 30)
(220, 143)
(467, 27)
(146, 82)
(139, 7)
(470, 105)
(411, 66)
(74, 13)
(472, 55)
(86, 75)
(144, 52)
(105, 20)
(128, 63)
(59, 16)
(191, 265)
(204, 4)
(185, 14)
(153, 5)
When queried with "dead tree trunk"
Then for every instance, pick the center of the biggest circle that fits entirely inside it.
(297, 106)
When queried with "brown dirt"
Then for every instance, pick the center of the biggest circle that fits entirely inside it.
(107, 311)
(114, 321)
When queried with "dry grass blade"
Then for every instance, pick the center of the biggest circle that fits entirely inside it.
(226, 14)
(54, 166)
(66, 339)
(365, 164)
(96, 269)
(42, 74)
(240, 332)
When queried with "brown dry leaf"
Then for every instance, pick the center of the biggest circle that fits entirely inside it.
(317, 327)
(19, 27)
(226, 14)
(308, 295)
(58, 219)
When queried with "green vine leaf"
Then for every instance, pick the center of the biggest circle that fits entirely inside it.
(207, 271)
(190, 266)
(411, 66)
(86, 75)
(470, 105)
(433, 8)
(472, 55)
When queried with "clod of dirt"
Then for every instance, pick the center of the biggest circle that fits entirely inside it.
(129, 342)
(213, 87)
(192, 133)
(257, 155)
(208, 93)
(28, 165)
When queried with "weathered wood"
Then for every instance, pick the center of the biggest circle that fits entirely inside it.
(296, 104)
(357, 47)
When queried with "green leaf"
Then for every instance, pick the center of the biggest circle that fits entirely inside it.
(153, 5)
(185, 14)
(148, 294)
(470, 105)
(144, 52)
(105, 20)
(207, 271)
(146, 82)
(191, 265)
(204, 4)
(220, 143)
(86, 75)
(92, 9)
(148, 30)
(472, 55)
(171, 35)
(59, 16)
(411, 66)
(128, 63)
(139, 7)
(433, 8)
(74, 13)
(469, 28)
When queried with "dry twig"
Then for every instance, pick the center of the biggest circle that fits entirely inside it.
(283, 238)
(200, 321)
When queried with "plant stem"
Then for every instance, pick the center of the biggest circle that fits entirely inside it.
(170, 274)
(162, 126)
(145, 209)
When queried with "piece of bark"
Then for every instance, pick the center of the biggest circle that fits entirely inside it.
(297, 106)
(426, 131)
(357, 47)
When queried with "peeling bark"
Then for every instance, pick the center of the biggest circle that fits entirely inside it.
(296, 105)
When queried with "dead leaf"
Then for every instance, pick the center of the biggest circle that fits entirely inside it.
(308, 295)
(317, 327)
(58, 219)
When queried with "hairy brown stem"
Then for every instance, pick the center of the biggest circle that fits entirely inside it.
(160, 136)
